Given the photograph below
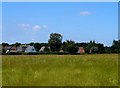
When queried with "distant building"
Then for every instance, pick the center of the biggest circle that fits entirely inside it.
(61, 51)
(42, 49)
(10, 49)
(13, 49)
(7, 48)
(94, 49)
(81, 50)
(21, 48)
(30, 49)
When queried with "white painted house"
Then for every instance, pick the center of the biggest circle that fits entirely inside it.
(30, 49)
(22, 48)
(42, 49)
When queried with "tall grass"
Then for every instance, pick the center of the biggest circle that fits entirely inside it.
(60, 70)
(0, 70)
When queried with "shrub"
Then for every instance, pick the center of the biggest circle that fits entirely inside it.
(14, 53)
(31, 53)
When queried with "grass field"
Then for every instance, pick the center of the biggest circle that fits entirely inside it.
(60, 70)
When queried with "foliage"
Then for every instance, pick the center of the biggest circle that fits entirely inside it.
(14, 53)
(89, 46)
(94, 49)
(5, 44)
(116, 46)
(31, 43)
(17, 44)
(55, 41)
(47, 49)
(107, 49)
(37, 46)
(70, 47)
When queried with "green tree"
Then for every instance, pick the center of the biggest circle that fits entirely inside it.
(37, 46)
(44, 44)
(3, 47)
(115, 46)
(107, 49)
(94, 49)
(46, 49)
(55, 41)
(101, 48)
(89, 46)
(70, 46)
(31, 43)
(5, 44)
(17, 44)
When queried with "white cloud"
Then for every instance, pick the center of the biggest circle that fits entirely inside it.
(24, 26)
(32, 27)
(36, 27)
(84, 13)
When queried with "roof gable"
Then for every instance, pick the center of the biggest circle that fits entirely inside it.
(30, 49)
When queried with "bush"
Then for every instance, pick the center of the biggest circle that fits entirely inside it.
(14, 53)
(31, 53)
(54, 52)
(39, 53)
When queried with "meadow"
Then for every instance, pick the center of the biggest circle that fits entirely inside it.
(60, 70)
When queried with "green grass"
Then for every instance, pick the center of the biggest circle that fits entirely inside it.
(60, 70)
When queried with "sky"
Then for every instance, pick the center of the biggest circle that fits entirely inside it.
(60, 0)
(27, 22)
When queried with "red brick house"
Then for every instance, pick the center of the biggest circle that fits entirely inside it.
(81, 50)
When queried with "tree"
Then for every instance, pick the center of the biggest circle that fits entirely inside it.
(31, 44)
(94, 49)
(115, 46)
(89, 45)
(101, 48)
(90, 48)
(107, 49)
(82, 44)
(17, 44)
(37, 46)
(5, 44)
(47, 49)
(70, 46)
(3, 47)
(44, 44)
(55, 41)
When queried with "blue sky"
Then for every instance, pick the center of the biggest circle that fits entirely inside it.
(79, 21)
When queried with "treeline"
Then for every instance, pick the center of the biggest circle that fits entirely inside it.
(55, 44)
